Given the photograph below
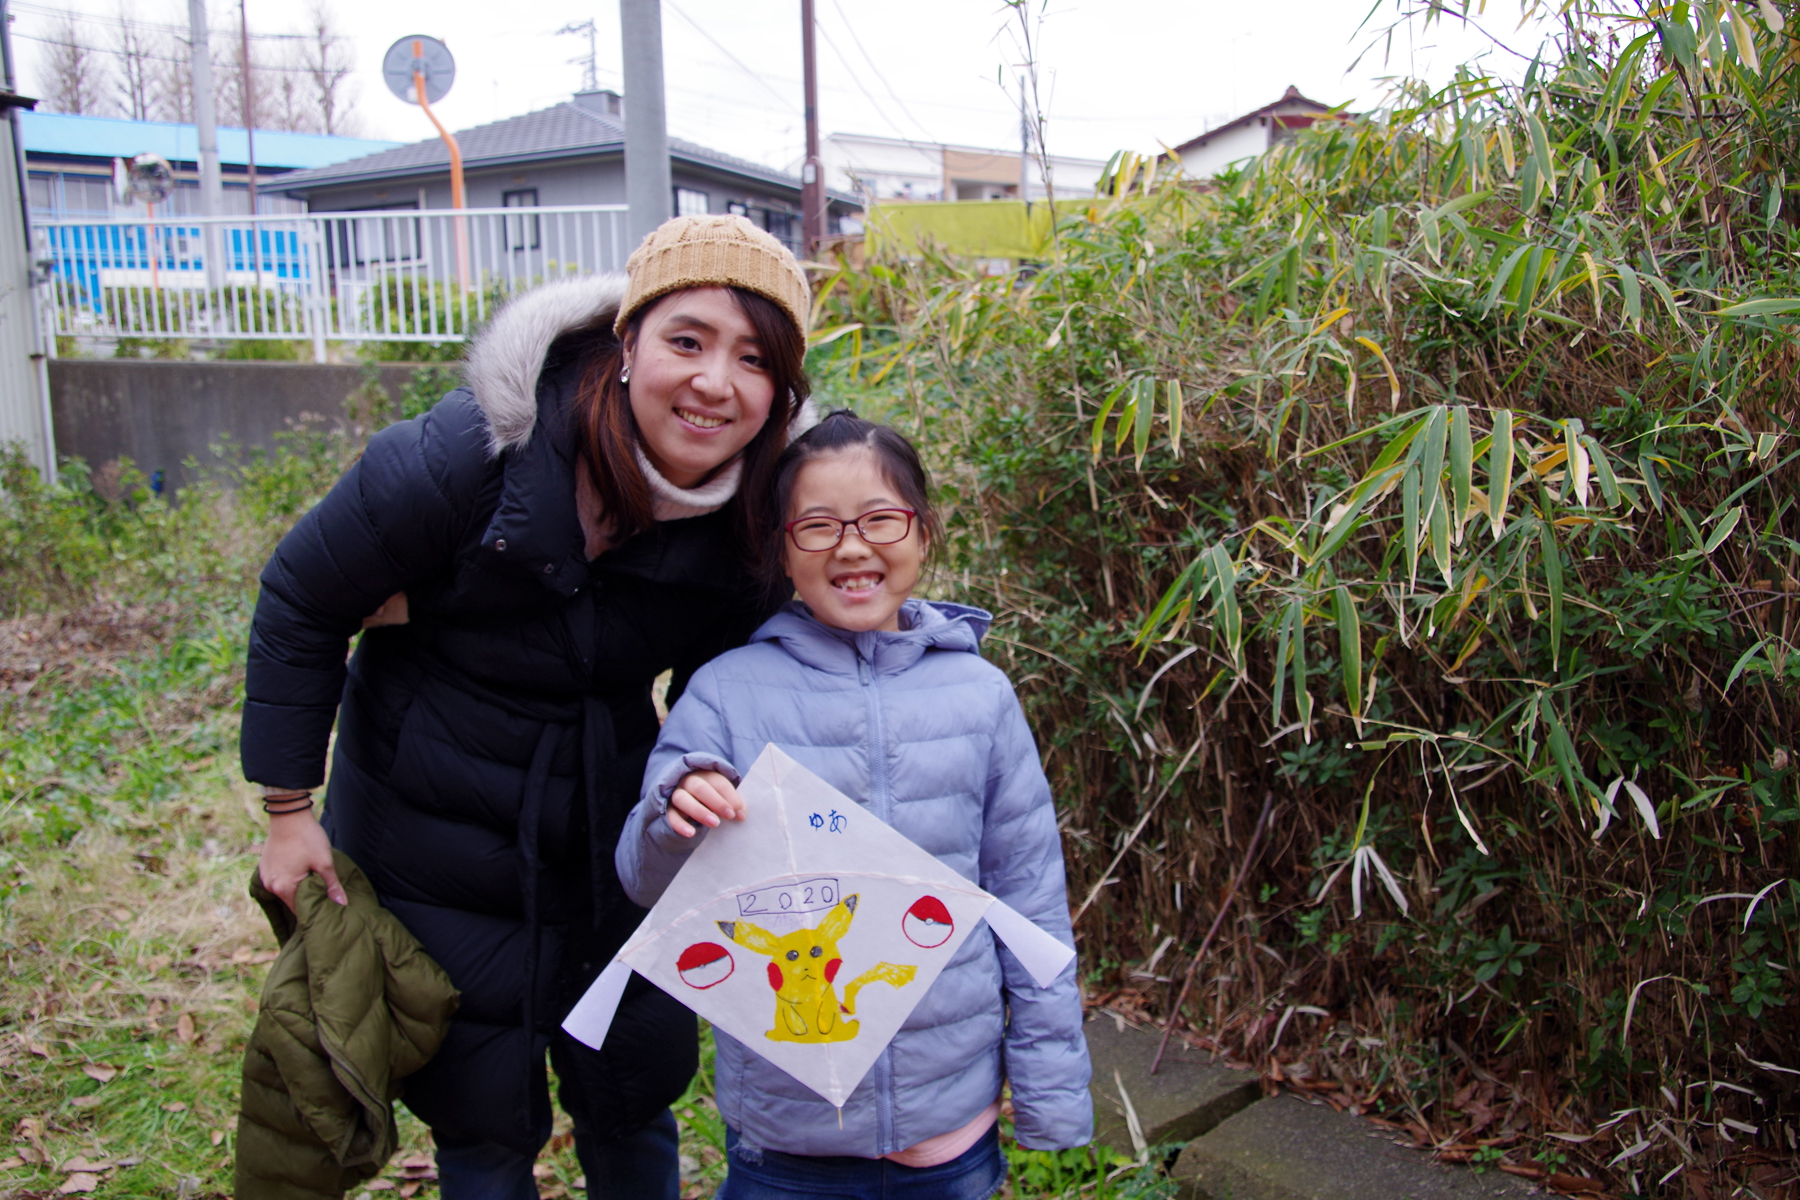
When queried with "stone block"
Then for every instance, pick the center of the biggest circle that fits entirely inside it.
(1286, 1149)
(1188, 1095)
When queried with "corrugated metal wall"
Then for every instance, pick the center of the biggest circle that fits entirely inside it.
(21, 402)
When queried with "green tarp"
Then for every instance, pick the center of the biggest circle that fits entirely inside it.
(978, 228)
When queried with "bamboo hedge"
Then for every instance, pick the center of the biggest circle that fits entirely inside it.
(1432, 476)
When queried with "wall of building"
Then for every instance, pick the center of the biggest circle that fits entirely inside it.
(160, 414)
(21, 397)
(1234, 145)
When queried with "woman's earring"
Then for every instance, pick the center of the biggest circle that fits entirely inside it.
(625, 373)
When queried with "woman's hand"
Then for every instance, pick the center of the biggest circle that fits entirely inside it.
(296, 848)
(704, 796)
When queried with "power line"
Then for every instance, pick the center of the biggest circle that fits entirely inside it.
(857, 80)
(258, 67)
(178, 31)
(786, 100)
(851, 29)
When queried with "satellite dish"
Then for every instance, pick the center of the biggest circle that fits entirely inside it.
(421, 55)
(146, 177)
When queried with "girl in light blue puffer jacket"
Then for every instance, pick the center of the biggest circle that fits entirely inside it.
(887, 699)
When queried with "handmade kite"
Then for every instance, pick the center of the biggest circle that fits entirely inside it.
(808, 931)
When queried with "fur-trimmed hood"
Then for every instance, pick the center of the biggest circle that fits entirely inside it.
(506, 358)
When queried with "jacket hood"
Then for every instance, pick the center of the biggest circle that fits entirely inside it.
(930, 625)
(506, 358)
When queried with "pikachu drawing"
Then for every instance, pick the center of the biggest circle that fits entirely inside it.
(803, 970)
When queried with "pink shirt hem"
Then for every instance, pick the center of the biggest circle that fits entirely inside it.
(935, 1151)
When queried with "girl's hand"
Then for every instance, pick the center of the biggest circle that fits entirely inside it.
(704, 796)
(296, 848)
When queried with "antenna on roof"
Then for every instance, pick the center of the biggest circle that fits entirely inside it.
(590, 76)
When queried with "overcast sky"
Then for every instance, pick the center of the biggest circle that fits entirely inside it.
(1114, 73)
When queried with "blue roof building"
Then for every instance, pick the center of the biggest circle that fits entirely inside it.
(70, 163)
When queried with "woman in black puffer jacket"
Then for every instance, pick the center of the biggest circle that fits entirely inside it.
(527, 558)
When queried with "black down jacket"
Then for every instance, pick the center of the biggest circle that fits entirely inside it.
(489, 749)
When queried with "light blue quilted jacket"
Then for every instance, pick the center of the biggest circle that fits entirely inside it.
(916, 727)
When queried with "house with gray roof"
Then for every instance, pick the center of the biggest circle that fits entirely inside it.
(569, 153)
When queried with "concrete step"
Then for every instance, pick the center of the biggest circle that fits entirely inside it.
(1187, 1096)
(1286, 1149)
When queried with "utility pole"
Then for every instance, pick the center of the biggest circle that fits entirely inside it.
(249, 114)
(206, 123)
(812, 173)
(649, 193)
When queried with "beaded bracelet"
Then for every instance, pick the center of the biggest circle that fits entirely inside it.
(294, 801)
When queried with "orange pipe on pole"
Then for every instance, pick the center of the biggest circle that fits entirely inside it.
(456, 166)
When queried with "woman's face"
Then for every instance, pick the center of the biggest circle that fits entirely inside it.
(700, 388)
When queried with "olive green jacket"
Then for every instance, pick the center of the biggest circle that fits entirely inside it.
(350, 1008)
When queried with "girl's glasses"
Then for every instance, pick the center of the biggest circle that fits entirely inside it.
(881, 527)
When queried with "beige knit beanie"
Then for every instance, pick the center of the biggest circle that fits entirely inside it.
(714, 251)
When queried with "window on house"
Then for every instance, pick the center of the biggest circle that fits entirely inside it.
(737, 208)
(367, 235)
(691, 202)
(521, 231)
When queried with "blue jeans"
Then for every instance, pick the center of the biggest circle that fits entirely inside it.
(639, 1166)
(976, 1174)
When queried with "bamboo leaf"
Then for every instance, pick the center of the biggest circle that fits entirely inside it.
(1230, 618)
(1723, 529)
(1175, 405)
(1176, 593)
(1633, 295)
(1500, 470)
(1144, 401)
(1431, 449)
(1768, 307)
(1100, 421)
(1603, 471)
(1409, 522)
(1576, 471)
(1553, 582)
(1743, 662)
(1462, 458)
(1127, 417)
(1302, 697)
(1283, 642)
(1350, 653)
(1393, 379)
(1743, 41)
(1439, 529)
(1647, 469)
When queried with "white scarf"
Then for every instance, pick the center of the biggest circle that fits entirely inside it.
(671, 503)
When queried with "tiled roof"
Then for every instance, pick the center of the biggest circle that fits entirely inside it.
(560, 131)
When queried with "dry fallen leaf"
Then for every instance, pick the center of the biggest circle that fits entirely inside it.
(408, 1189)
(81, 1181)
(218, 1136)
(85, 1101)
(80, 1164)
(99, 1072)
(184, 1028)
(39, 1049)
(7, 1164)
(380, 1185)
(177, 1106)
(1574, 1184)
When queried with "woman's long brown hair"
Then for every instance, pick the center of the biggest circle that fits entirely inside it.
(608, 433)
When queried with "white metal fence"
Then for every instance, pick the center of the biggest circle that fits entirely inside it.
(384, 275)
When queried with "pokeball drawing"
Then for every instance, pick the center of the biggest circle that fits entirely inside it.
(927, 923)
(705, 964)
